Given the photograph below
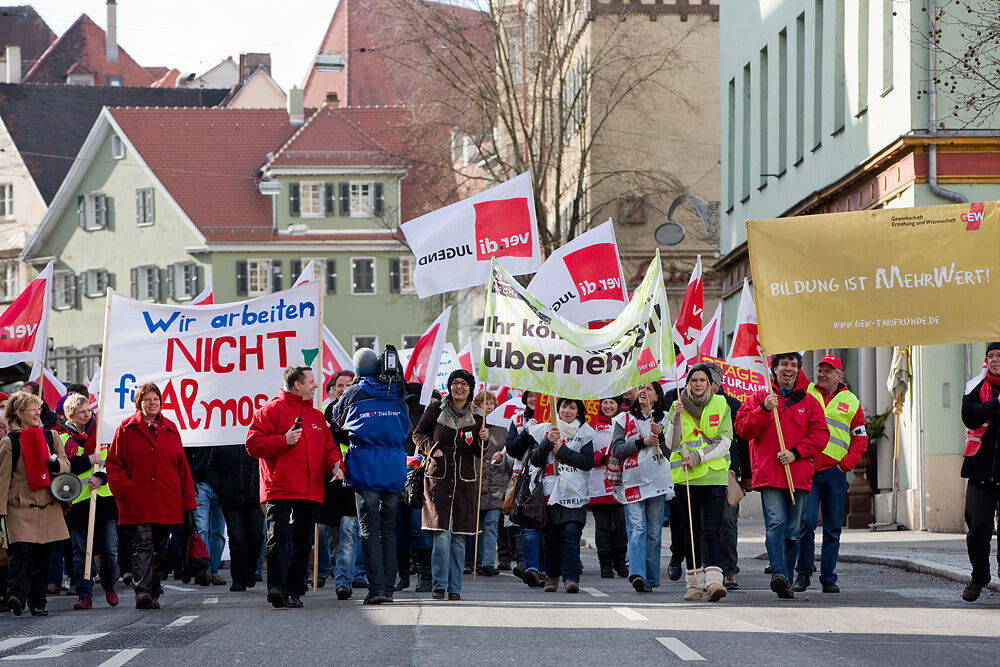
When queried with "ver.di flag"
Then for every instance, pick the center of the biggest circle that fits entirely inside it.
(529, 346)
(687, 329)
(454, 245)
(745, 350)
(583, 280)
(422, 366)
(24, 324)
(214, 364)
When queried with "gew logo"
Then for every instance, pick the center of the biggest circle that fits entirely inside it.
(974, 218)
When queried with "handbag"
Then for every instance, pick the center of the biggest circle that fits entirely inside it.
(197, 556)
(413, 488)
(734, 492)
(529, 504)
(508, 501)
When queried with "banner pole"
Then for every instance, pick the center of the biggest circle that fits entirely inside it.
(89, 557)
(479, 505)
(781, 434)
(687, 481)
(318, 401)
(552, 419)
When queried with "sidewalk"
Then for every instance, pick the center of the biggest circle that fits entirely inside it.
(941, 555)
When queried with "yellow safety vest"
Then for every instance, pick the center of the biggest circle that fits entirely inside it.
(104, 490)
(839, 413)
(712, 417)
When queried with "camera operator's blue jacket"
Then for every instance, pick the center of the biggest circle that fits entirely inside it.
(375, 416)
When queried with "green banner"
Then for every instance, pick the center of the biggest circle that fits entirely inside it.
(528, 346)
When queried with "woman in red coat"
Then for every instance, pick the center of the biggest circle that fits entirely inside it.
(150, 479)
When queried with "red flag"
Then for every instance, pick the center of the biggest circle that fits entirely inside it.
(710, 334)
(746, 351)
(52, 388)
(24, 325)
(426, 357)
(335, 357)
(465, 358)
(205, 298)
(687, 329)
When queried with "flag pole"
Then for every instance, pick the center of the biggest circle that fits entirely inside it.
(318, 401)
(89, 555)
(781, 434)
(479, 503)
(687, 482)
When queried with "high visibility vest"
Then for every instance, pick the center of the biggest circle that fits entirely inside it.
(712, 417)
(839, 413)
(105, 489)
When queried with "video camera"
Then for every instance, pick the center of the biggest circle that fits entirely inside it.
(389, 369)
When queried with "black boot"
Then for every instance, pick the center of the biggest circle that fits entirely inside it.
(402, 582)
(620, 566)
(423, 571)
(607, 571)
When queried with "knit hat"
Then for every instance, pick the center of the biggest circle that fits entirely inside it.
(461, 373)
(992, 346)
(714, 372)
(704, 369)
(365, 362)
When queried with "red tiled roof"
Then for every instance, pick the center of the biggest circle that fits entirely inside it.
(83, 44)
(359, 136)
(209, 161)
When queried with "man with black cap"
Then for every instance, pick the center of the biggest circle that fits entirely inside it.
(981, 466)
(848, 442)
(373, 412)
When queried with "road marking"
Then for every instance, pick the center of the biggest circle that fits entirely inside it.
(679, 648)
(121, 657)
(630, 614)
(593, 592)
(211, 600)
(57, 646)
(178, 588)
(183, 620)
(8, 644)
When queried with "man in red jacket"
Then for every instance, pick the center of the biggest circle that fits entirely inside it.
(803, 425)
(848, 441)
(297, 454)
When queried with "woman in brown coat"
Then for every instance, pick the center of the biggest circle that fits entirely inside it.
(449, 437)
(34, 517)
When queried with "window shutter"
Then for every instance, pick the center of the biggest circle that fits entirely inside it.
(100, 211)
(293, 200)
(241, 278)
(345, 199)
(275, 275)
(81, 211)
(102, 281)
(156, 284)
(138, 207)
(172, 281)
(135, 282)
(329, 209)
(331, 276)
(149, 203)
(377, 187)
(394, 275)
(296, 268)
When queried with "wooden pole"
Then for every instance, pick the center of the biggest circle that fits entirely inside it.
(317, 402)
(479, 506)
(687, 482)
(781, 435)
(89, 557)
(90, 523)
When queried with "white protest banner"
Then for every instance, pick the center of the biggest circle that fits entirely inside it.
(455, 244)
(528, 346)
(583, 280)
(215, 364)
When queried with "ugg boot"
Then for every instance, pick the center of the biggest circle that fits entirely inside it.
(423, 571)
(713, 583)
(695, 585)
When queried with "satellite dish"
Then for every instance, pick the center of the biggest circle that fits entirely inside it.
(669, 233)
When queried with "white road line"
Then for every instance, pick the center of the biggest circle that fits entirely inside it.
(177, 588)
(630, 614)
(593, 592)
(121, 657)
(183, 620)
(679, 648)
(7, 644)
(212, 599)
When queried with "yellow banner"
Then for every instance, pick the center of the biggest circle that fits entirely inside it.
(906, 276)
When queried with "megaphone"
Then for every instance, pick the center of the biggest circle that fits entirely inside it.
(66, 487)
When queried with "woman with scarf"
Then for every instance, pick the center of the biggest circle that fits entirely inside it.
(29, 457)
(699, 435)
(80, 440)
(609, 514)
(564, 453)
(450, 437)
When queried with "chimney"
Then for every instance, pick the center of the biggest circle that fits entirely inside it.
(294, 103)
(332, 100)
(111, 33)
(13, 64)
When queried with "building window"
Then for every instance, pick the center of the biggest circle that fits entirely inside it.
(8, 280)
(887, 45)
(632, 210)
(146, 283)
(117, 147)
(782, 110)
(144, 206)
(362, 275)
(864, 48)
(258, 277)
(92, 211)
(63, 290)
(800, 88)
(818, 75)
(401, 275)
(362, 203)
(745, 190)
(115, 80)
(182, 281)
(95, 282)
(311, 199)
(765, 118)
(731, 146)
(364, 340)
(409, 341)
(839, 69)
(6, 201)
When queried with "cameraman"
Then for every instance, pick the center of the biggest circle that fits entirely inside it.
(373, 412)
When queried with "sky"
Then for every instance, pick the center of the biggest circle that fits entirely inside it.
(195, 35)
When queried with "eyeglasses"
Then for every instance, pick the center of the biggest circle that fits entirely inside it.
(460, 383)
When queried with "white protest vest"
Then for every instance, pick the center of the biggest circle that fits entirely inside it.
(570, 487)
(647, 473)
(597, 485)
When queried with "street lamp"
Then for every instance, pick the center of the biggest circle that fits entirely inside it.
(327, 62)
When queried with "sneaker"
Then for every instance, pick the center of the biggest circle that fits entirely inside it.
(638, 583)
(571, 586)
(359, 583)
(532, 579)
(438, 595)
(276, 598)
(518, 572)
(127, 578)
(467, 570)
(454, 596)
(830, 587)
(83, 603)
(343, 593)
(674, 571)
(551, 585)
(801, 582)
(780, 586)
(489, 571)
(111, 597)
(971, 592)
(729, 581)
(40, 612)
(294, 602)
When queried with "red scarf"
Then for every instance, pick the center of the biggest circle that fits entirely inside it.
(986, 388)
(35, 452)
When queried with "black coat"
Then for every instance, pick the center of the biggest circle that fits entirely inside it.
(984, 465)
(233, 474)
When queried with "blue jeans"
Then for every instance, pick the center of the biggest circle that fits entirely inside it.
(344, 569)
(532, 544)
(644, 526)
(447, 561)
(781, 523)
(105, 546)
(490, 522)
(211, 524)
(377, 520)
(829, 491)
